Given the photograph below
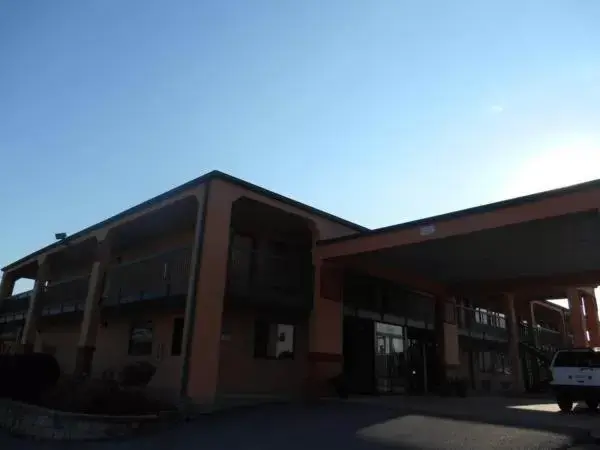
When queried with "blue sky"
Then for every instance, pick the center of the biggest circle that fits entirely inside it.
(379, 112)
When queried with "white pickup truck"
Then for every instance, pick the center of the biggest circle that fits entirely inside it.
(576, 377)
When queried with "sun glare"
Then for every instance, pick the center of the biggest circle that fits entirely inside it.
(557, 162)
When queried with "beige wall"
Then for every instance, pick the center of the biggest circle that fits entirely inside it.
(63, 336)
(241, 373)
(112, 346)
(113, 342)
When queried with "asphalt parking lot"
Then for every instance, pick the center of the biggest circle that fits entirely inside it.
(352, 426)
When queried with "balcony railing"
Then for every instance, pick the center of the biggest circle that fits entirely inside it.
(273, 280)
(156, 277)
(481, 324)
(159, 276)
(540, 336)
(65, 296)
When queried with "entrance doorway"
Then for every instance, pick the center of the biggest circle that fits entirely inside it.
(386, 358)
(403, 360)
(390, 362)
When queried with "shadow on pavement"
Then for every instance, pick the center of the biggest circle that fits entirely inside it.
(355, 426)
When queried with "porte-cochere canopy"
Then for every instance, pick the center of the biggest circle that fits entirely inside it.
(549, 240)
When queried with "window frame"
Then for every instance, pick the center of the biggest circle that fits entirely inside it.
(264, 355)
(131, 346)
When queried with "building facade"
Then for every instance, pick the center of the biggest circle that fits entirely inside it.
(231, 289)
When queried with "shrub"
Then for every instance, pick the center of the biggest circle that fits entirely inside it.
(25, 377)
(100, 397)
(137, 374)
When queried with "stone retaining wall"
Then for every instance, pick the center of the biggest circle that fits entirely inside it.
(42, 423)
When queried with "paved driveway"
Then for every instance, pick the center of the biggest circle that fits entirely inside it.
(350, 426)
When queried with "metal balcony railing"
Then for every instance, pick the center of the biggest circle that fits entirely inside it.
(253, 273)
(65, 296)
(540, 336)
(157, 276)
(481, 324)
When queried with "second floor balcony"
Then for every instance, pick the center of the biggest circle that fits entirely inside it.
(490, 325)
(161, 278)
(479, 323)
(266, 278)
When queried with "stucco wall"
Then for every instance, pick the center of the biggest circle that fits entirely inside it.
(241, 373)
(62, 337)
(113, 342)
(112, 346)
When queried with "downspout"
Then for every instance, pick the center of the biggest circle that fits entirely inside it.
(190, 307)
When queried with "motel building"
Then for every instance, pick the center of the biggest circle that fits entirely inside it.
(230, 289)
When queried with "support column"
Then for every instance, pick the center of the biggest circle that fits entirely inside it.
(576, 318)
(190, 300)
(562, 328)
(513, 343)
(7, 286)
(91, 313)
(325, 359)
(532, 324)
(35, 308)
(446, 331)
(591, 318)
(203, 355)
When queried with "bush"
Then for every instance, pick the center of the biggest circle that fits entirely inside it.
(137, 374)
(24, 377)
(103, 397)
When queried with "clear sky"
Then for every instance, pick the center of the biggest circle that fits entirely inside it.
(377, 111)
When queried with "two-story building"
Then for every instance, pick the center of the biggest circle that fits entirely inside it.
(229, 289)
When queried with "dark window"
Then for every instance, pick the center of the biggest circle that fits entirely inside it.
(273, 340)
(140, 339)
(502, 365)
(486, 361)
(177, 338)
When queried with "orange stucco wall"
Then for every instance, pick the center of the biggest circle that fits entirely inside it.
(241, 373)
(205, 360)
(112, 346)
(215, 366)
(63, 336)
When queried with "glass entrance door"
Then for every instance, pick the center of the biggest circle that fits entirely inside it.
(389, 358)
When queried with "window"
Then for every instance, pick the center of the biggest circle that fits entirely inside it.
(486, 361)
(273, 340)
(177, 338)
(502, 364)
(140, 339)
(587, 358)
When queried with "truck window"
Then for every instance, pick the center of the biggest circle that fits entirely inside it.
(577, 359)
